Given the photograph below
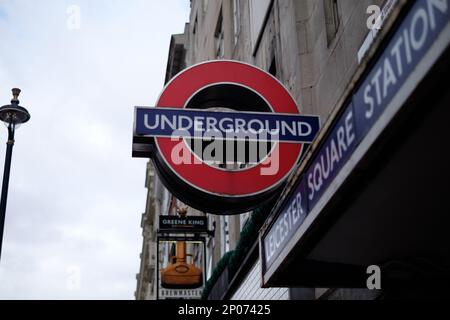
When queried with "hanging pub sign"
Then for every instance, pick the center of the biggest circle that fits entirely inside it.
(181, 265)
(224, 136)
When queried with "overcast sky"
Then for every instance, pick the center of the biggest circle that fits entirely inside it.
(76, 196)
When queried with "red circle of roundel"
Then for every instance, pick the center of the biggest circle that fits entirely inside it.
(218, 181)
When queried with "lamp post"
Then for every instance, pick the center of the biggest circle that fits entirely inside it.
(13, 116)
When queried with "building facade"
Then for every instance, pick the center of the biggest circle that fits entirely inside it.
(323, 52)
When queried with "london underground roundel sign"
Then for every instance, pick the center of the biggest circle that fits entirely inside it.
(223, 136)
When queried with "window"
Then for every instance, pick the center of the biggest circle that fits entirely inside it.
(236, 19)
(225, 236)
(331, 19)
(273, 67)
(219, 39)
(243, 218)
(210, 245)
(194, 30)
(259, 10)
(210, 265)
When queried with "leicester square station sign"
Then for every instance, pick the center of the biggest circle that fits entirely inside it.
(224, 136)
(420, 38)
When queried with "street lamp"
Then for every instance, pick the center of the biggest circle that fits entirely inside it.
(13, 116)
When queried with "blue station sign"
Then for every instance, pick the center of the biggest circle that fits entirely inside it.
(410, 43)
(201, 124)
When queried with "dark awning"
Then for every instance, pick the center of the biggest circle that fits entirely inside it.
(388, 205)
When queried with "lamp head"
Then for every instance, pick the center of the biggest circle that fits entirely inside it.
(13, 114)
